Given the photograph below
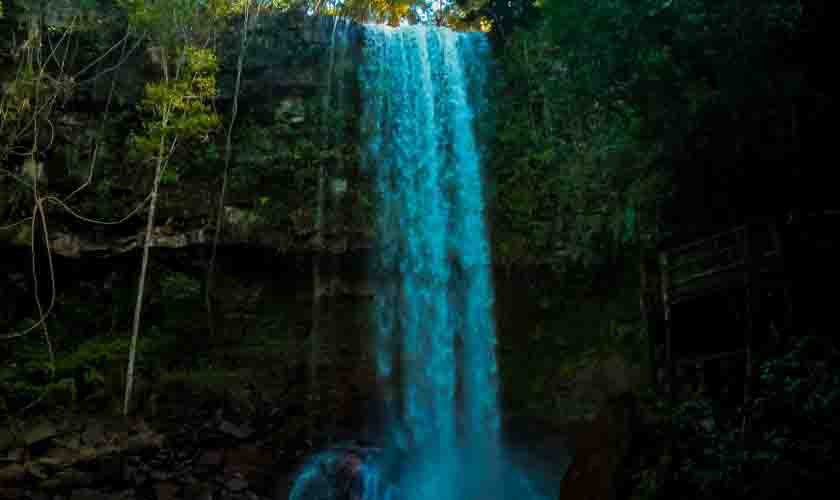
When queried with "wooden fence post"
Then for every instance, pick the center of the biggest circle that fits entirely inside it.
(752, 297)
(670, 383)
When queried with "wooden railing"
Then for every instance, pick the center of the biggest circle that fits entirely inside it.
(740, 258)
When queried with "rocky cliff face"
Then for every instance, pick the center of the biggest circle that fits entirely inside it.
(281, 140)
(294, 124)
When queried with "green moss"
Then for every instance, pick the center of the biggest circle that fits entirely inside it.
(62, 393)
(22, 235)
(184, 389)
(94, 353)
(94, 367)
(199, 381)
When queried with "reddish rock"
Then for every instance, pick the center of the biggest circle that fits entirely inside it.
(248, 456)
(250, 462)
(12, 474)
(166, 490)
(600, 448)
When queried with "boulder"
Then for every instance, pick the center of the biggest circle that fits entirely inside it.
(13, 473)
(581, 396)
(41, 430)
(236, 431)
(601, 448)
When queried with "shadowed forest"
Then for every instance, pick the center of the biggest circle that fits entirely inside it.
(224, 224)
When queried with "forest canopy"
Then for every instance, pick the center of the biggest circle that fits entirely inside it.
(609, 99)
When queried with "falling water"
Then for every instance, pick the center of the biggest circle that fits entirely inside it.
(435, 338)
(433, 306)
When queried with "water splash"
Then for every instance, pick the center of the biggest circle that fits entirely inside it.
(435, 338)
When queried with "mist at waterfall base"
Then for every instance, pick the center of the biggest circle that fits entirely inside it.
(421, 89)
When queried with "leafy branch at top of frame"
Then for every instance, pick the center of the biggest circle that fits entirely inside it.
(181, 107)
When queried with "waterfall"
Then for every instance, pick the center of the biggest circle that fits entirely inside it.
(421, 88)
(433, 303)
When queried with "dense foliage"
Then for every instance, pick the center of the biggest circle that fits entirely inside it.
(604, 101)
(780, 440)
(627, 126)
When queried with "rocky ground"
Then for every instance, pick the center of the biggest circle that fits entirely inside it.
(234, 448)
(202, 454)
(246, 444)
(213, 456)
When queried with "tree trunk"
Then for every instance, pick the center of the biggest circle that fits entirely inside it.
(208, 289)
(138, 305)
